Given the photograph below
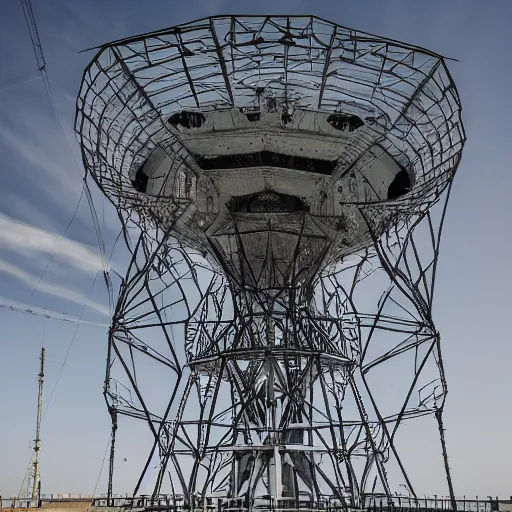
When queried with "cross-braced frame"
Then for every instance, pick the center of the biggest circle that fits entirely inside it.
(293, 331)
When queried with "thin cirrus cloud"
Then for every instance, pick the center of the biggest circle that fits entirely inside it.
(28, 240)
(54, 290)
(35, 147)
(29, 141)
(32, 242)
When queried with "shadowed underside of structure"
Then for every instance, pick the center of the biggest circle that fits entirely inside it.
(282, 184)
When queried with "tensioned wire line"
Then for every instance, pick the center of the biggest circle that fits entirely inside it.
(42, 67)
(69, 347)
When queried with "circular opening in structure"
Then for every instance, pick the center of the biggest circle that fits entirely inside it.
(400, 185)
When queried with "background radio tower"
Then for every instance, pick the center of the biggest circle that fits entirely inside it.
(31, 486)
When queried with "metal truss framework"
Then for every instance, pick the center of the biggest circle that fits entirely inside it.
(280, 390)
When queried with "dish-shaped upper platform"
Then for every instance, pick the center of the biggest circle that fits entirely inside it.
(250, 132)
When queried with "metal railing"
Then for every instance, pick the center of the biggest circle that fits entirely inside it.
(177, 503)
(44, 500)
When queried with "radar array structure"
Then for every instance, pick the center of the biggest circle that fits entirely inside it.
(282, 183)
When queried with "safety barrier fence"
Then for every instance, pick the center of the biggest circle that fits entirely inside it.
(178, 503)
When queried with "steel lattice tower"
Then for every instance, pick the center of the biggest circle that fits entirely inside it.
(282, 183)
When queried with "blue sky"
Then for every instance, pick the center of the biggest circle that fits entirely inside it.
(40, 184)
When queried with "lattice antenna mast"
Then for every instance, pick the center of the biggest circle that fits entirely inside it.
(37, 441)
(285, 178)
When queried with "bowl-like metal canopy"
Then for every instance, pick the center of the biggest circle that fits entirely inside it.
(269, 139)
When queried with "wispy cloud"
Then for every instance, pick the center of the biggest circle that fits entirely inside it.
(28, 241)
(22, 208)
(52, 178)
(54, 290)
(34, 140)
